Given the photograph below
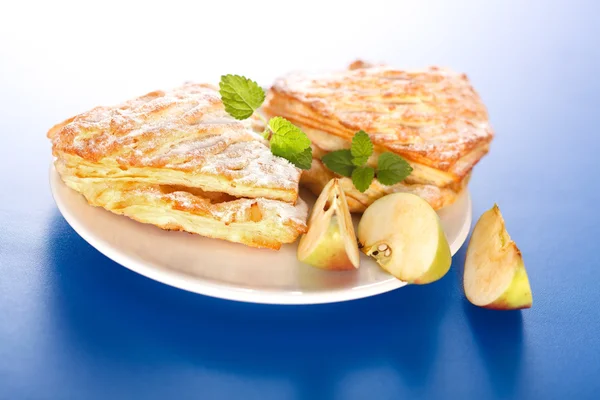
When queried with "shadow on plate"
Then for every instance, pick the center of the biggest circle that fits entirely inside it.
(111, 313)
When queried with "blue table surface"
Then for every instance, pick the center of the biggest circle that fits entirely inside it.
(74, 324)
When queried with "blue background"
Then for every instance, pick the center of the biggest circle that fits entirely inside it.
(73, 324)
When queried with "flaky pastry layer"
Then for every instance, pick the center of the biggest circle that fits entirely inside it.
(182, 136)
(323, 143)
(432, 117)
(254, 222)
(317, 177)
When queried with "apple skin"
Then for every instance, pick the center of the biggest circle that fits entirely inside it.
(518, 294)
(330, 242)
(379, 226)
(441, 265)
(330, 253)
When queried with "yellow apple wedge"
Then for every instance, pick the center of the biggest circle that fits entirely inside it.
(330, 242)
(495, 275)
(404, 235)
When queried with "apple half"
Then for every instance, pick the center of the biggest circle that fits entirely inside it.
(405, 236)
(495, 275)
(330, 242)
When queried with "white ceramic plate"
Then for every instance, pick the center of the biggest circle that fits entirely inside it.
(233, 271)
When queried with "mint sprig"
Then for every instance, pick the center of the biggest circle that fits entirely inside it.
(361, 148)
(287, 138)
(391, 168)
(339, 161)
(242, 97)
(362, 177)
(302, 160)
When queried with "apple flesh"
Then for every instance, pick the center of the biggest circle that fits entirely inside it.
(404, 235)
(495, 275)
(330, 242)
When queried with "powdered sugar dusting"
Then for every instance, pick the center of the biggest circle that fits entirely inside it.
(236, 209)
(183, 129)
(271, 210)
(183, 199)
(274, 211)
(432, 113)
(252, 163)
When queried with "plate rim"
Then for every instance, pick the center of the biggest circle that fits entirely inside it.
(230, 292)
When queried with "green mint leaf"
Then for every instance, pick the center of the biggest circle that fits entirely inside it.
(391, 168)
(359, 162)
(361, 149)
(287, 138)
(241, 96)
(339, 161)
(362, 177)
(302, 160)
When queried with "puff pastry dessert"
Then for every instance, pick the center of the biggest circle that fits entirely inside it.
(433, 118)
(182, 136)
(177, 160)
(317, 177)
(256, 222)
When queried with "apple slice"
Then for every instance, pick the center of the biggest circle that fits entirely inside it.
(404, 234)
(330, 242)
(495, 275)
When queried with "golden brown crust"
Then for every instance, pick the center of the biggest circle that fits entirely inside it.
(431, 117)
(323, 143)
(358, 64)
(318, 176)
(183, 133)
(254, 222)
